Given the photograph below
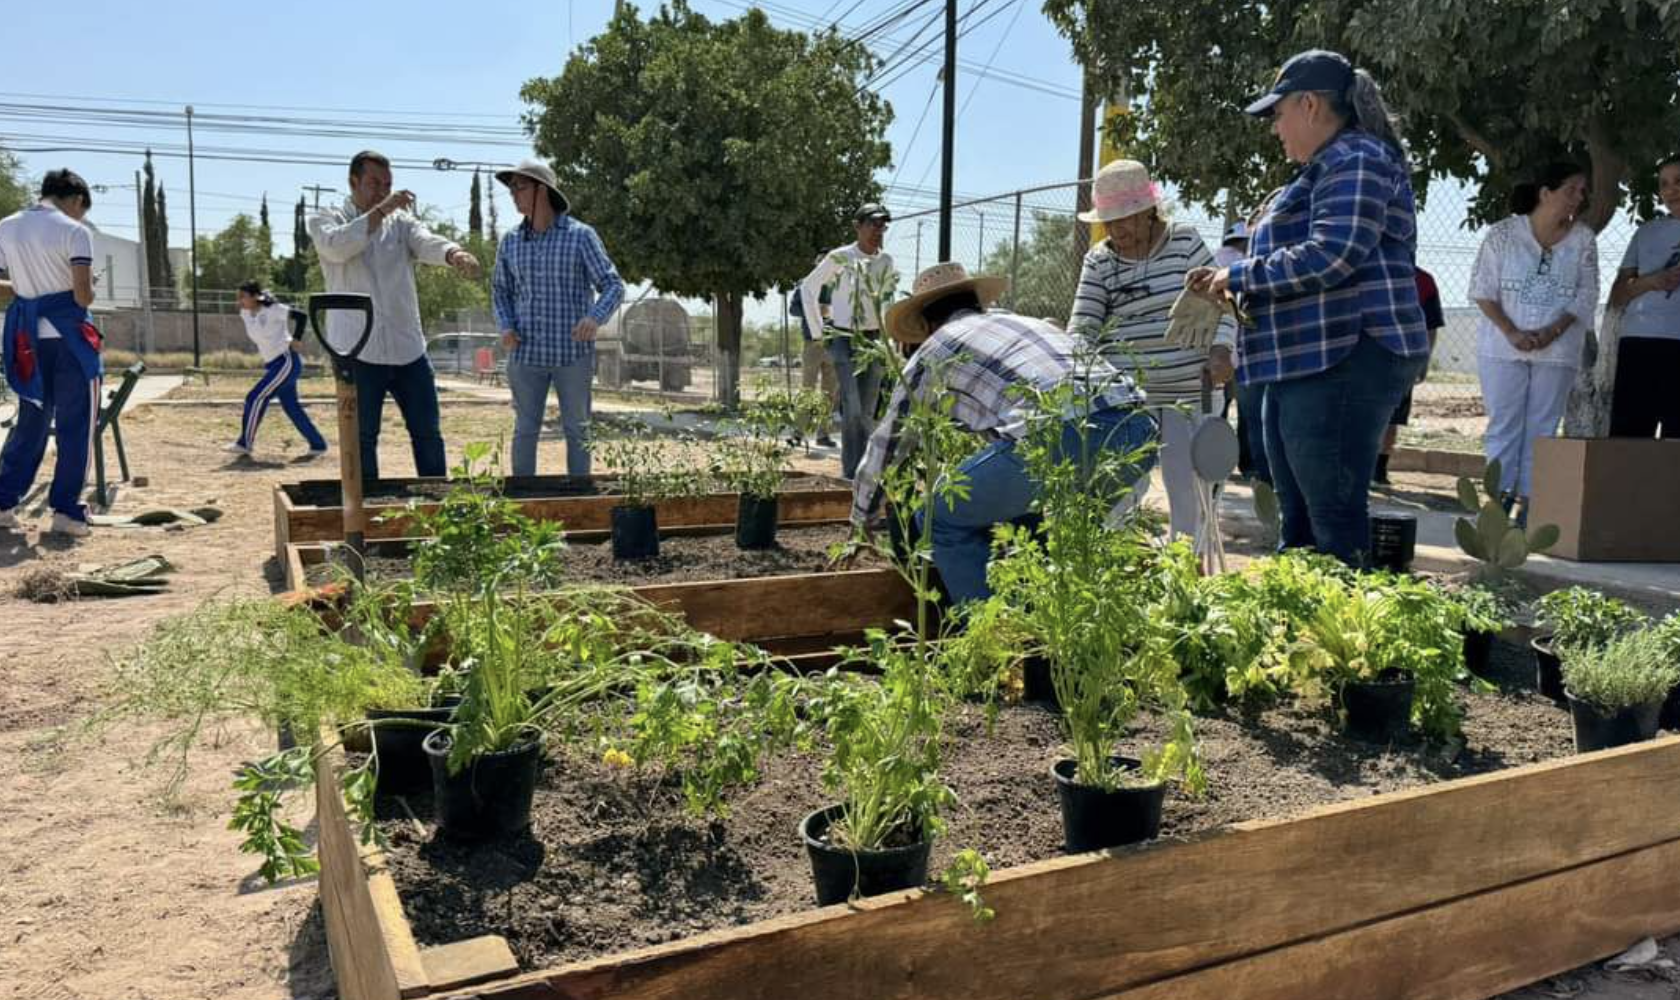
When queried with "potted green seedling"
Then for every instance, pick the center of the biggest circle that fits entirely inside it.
(1483, 613)
(647, 470)
(1616, 690)
(1575, 616)
(752, 461)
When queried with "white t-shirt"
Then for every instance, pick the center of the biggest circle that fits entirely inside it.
(1654, 247)
(1535, 286)
(37, 248)
(270, 329)
(840, 267)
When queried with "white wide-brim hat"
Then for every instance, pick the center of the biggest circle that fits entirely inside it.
(540, 172)
(1121, 189)
(904, 321)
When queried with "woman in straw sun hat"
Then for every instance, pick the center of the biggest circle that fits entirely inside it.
(980, 361)
(1127, 287)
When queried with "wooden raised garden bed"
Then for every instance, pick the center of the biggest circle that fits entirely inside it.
(1458, 890)
(311, 511)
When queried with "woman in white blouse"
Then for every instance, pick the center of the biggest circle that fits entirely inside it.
(1126, 289)
(1536, 283)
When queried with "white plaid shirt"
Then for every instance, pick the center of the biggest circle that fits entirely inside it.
(984, 359)
(544, 283)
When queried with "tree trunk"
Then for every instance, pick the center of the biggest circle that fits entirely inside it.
(1609, 170)
(728, 323)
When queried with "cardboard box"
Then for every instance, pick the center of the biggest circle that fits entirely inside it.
(1613, 499)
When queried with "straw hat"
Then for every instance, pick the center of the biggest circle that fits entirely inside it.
(904, 321)
(1121, 189)
(543, 174)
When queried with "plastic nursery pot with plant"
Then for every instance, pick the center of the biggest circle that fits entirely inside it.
(1483, 614)
(1616, 691)
(752, 461)
(1575, 616)
(1089, 605)
(648, 470)
(1492, 538)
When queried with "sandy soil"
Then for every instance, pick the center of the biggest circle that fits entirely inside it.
(107, 890)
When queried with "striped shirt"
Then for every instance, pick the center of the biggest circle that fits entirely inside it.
(984, 359)
(1332, 260)
(546, 282)
(1127, 303)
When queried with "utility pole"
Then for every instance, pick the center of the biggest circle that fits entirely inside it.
(1087, 150)
(145, 272)
(950, 151)
(192, 223)
(317, 190)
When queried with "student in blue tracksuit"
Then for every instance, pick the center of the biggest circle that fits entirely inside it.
(51, 349)
(270, 326)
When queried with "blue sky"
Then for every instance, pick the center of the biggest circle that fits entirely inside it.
(426, 64)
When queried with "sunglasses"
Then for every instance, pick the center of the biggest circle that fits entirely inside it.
(1545, 265)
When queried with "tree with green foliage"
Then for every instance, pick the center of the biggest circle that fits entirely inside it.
(1487, 92)
(292, 273)
(475, 214)
(242, 251)
(714, 158)
(1043, 280)
(156, 223)
(262, 216)
(14, 189)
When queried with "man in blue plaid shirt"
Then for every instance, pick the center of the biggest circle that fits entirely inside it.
(1337, 335)
(553, 287)
(983, 360)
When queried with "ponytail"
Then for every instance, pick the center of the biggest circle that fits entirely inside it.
(1370, 113)
(256, 291)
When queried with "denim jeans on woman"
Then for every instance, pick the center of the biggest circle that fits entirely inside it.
(1323, 433)
(530, 385)
(1000, 490)
(859, 392)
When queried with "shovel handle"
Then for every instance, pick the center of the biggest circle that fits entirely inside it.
(325, 302)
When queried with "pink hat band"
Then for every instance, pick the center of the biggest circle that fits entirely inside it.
(1127, 200)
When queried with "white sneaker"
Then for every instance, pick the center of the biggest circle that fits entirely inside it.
(64, 524)
(236, 448)
(317, 452)
(8, 519)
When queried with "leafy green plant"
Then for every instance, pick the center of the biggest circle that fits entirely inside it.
(752, 458)
(1578, 616)
(1629, 670)
(1492, 538)
(646, 468)
(476, 533)
(1480, 609)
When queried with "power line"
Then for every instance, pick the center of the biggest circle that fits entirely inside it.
(976, 88)
(261, 107)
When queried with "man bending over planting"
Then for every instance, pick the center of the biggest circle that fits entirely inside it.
(985, 363)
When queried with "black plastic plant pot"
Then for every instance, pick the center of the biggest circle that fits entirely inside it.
(1670, 719)
(1094, 818)
(1596, 729)
(1393, 541)
(635, 533)
(1037, 683)
(489, 797)
(841, 873)
(1379, 711)
(755, 522)
(403, 767)
(1548, 669)
(1478, 652)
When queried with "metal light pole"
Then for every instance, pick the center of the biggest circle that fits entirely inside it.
(318, 191)
(949, 154)
(981, 265)
(919, 245)
(192, 224)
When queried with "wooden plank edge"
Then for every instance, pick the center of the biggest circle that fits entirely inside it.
(468, 962)
(938, 926)
(1470, 948)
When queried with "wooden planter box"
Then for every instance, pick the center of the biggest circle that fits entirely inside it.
(1451, 892)
(571, 501)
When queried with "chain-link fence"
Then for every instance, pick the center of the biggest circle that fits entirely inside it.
(1029, 236)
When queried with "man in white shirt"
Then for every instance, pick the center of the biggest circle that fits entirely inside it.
(51, 349)
(861, 273)
(370, 245)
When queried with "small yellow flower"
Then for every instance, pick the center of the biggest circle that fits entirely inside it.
(617, 758)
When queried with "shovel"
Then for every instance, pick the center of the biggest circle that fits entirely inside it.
(349, 438)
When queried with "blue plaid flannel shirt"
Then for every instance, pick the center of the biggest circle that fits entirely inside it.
(983, 358)
(1332, 259)
(543, 285)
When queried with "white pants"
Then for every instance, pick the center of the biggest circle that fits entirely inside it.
(1524, 402)
(1178, 474)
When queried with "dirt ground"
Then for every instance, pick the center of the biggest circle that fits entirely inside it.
(106, 889)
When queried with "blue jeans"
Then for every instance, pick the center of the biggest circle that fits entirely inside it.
(279, 381)
(1251, 425)
(71, 407)
(530, 385)
(859, 392)
(415, 390)
(1000, 490)
(1323, 432)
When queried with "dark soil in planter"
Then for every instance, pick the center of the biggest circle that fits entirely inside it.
(612, 862)
(681, 559)
(328, 494)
